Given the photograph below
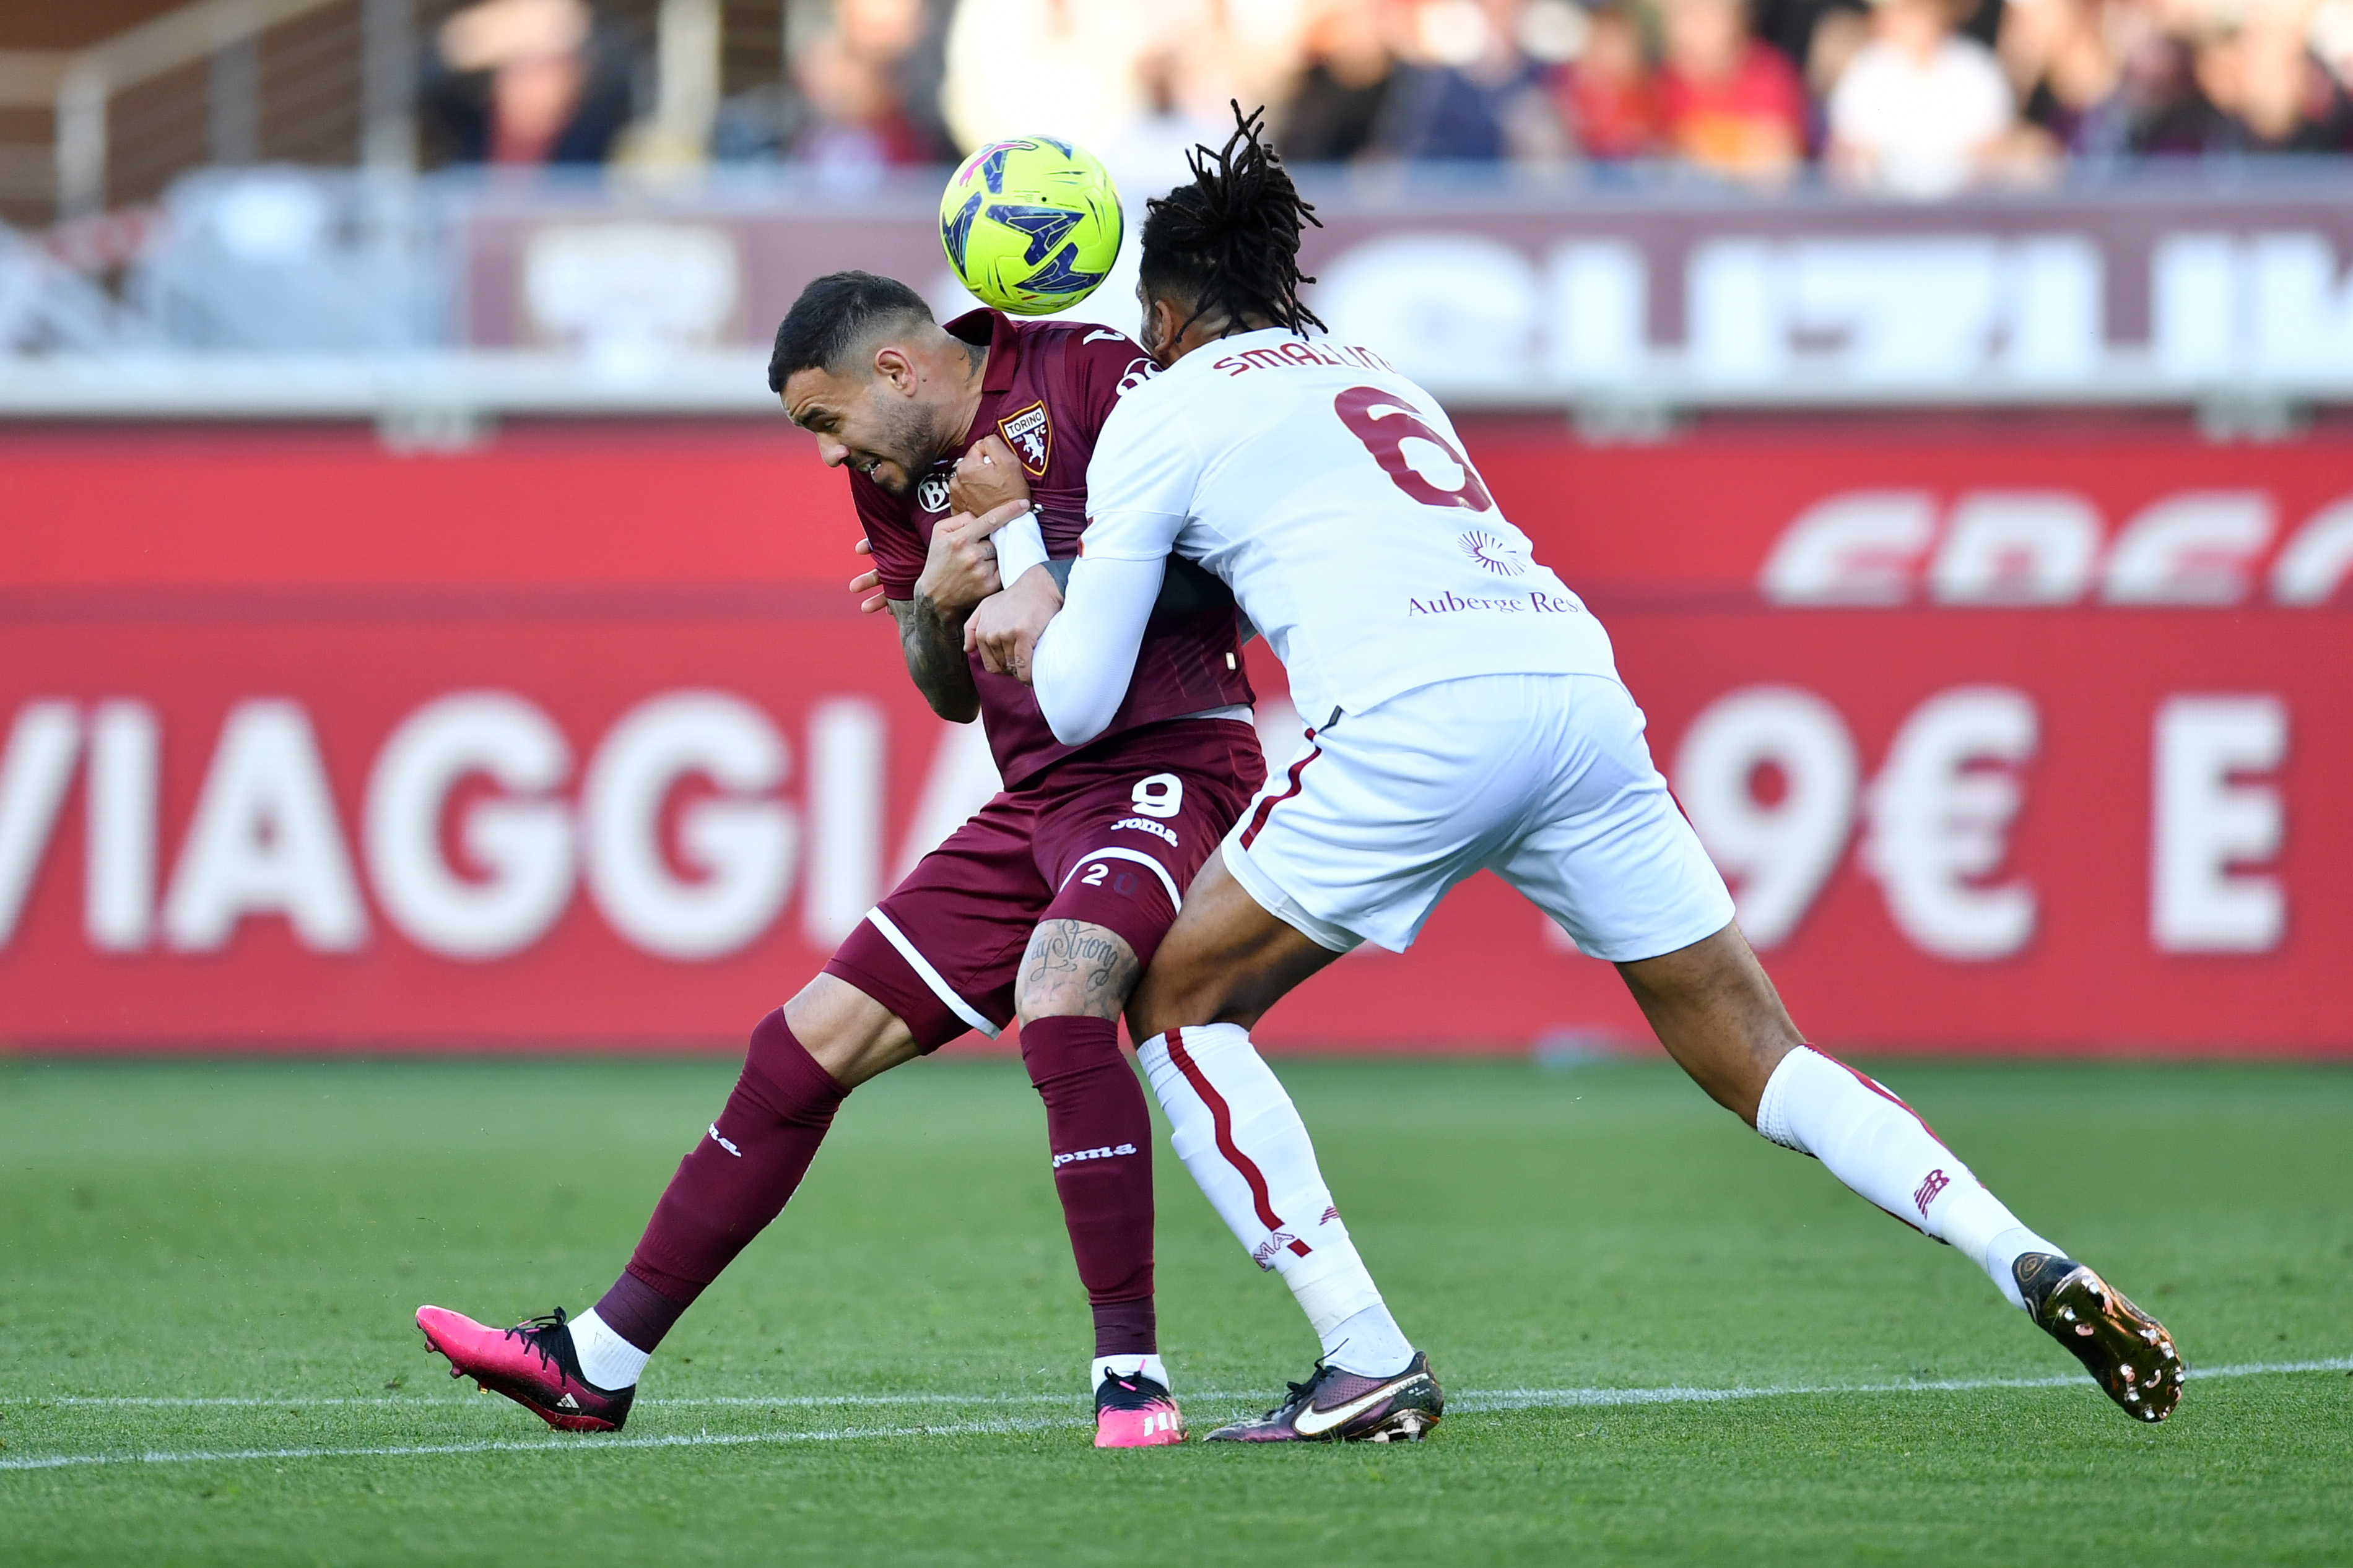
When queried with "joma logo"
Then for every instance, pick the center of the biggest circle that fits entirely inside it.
(1106, 1153)
(1263, 1253)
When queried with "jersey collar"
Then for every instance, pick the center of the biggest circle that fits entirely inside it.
(1004, 346)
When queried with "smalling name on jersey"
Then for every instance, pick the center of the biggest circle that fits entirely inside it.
(1302, 351)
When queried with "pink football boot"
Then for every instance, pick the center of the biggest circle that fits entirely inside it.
(532, 1363)
(1132, 1411)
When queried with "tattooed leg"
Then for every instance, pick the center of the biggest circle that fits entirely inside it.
(1075, 969)
(1074, 980)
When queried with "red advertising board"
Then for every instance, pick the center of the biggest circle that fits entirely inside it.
(2007, 740)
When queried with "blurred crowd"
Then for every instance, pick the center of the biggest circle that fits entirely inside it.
(1915, 98)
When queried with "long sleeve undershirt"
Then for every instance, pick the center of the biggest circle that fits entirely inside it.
(1082, 665)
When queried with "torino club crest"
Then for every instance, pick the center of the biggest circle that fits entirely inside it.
(1030, 436)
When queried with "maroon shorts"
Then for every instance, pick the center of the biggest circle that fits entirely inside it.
(1111, 835)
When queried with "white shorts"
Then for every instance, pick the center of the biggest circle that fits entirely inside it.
(1544, 779)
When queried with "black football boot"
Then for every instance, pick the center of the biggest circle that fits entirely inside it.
(1336, 1406)
(2127, 1353)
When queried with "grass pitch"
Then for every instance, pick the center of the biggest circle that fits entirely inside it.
(892, 1374)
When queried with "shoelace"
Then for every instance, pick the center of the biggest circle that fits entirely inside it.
(1133, 1386)
(1299, 1391)
(531, 1329)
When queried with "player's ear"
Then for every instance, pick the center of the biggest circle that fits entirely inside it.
(1162, 325)
(893, 365)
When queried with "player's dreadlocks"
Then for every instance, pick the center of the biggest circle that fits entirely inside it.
(1228, 242)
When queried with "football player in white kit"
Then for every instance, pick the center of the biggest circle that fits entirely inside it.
(1466, 713)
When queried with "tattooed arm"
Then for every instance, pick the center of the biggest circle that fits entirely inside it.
(959, 572)
(1076, 969)
(933, 643)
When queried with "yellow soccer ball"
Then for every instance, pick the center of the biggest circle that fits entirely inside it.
(1031, 225)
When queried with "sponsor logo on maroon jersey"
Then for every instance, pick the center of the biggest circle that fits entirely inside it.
(1144, 824)
(1031, 434)
(1937, 1183)
(932, 494)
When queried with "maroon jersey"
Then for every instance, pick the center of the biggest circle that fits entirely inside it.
(1049, 388)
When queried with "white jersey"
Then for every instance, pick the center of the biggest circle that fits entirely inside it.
(1331, 494)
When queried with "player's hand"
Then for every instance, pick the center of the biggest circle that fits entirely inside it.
(988, 475)
(961, 570)
(1005, 629)
(868, 582)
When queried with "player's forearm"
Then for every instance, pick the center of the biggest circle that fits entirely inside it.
(1086, 657)
(933, 643)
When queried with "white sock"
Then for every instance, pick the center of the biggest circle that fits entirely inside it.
(1335, 1290)
(1370, 1342)
(1128, 1366)
(1236, 1129)
(1875, 1144)
(606, 1359)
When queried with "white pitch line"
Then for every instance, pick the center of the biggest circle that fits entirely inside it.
(1471, 1400)
(1573, 1398)
(1489, 1398)
(540, 1446)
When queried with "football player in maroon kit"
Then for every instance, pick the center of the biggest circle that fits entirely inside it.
(1045, 906)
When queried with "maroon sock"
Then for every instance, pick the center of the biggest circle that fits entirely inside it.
(1127, 1328)
(1100, 1135)
(638, 1313)
(727, 1190)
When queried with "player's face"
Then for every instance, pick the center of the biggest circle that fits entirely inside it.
(864, 422)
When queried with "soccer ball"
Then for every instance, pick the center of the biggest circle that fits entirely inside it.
(1031, 225)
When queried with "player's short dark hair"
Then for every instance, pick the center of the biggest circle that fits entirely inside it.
(834, 314)
(1228, 242)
